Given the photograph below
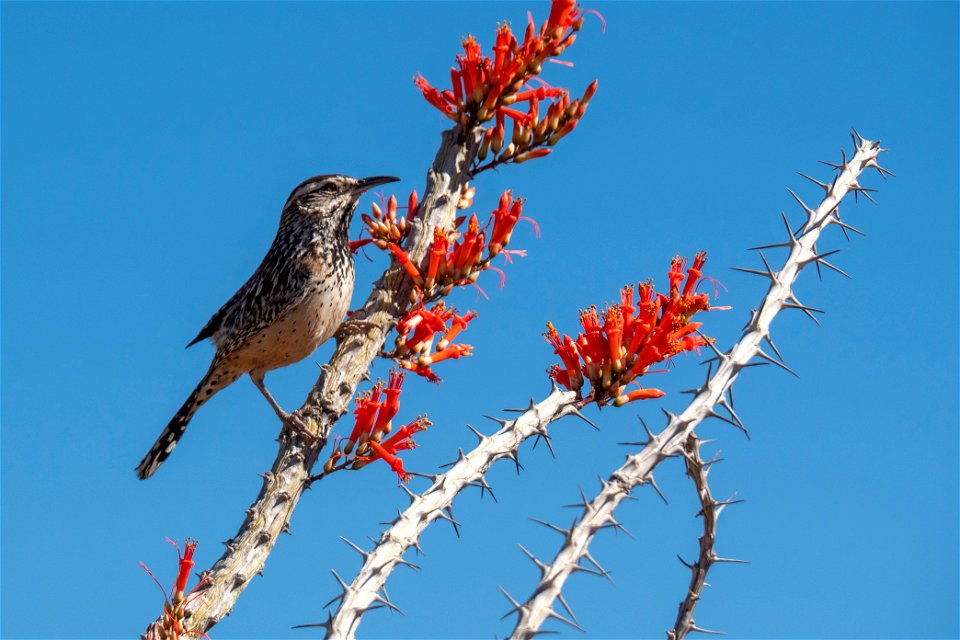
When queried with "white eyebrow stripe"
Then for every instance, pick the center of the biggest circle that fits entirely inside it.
(310, 186)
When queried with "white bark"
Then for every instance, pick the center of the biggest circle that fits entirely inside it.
(638, 469)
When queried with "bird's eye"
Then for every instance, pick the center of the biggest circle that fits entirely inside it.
(330, 187)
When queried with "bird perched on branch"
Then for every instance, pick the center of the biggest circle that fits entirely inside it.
(294, 301)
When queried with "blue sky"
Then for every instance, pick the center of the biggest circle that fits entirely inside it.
(147, 149)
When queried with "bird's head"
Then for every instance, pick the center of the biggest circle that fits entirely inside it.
(331, 198)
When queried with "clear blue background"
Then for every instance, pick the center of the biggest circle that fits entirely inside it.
(147, 149)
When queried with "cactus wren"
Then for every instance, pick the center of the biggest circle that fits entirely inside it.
(293, 302)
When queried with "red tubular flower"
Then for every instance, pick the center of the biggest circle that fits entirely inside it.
(454, 351)
(420, 370)
(395, 463)
(425, 324)
(391, 403)
(638, 394)
(368, 404)
(563, 13)
(613, 327)
(459, 324)
(406, 263)
(402, 439)
(434, 97)
(438, 252)
(185, 565)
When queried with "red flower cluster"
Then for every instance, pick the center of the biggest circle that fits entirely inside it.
(621, 344)
(486, 88)
(457, 258)
(373, 419)
(416, 333)
(171, 625)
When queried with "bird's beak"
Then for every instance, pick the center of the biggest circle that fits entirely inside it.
(368, 183)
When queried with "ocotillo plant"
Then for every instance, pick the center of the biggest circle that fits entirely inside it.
(503, 114)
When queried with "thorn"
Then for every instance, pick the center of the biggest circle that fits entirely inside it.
(560, 530)
(825, 187)
(684, 562)
(516, 460)
(599, 571)
(858, 190)
(818, 256)
(772, 346)
(583, 504)
(363, 554)
(858, 140)
(793, 303)
(386, 602)
(807, 210)
(694, 627)
(483, 486)
(713, 414)
(566, 607)
(513, 603)
(730, 560)
(546, 440)
(729, 407)
(499, 421)
(846, 227)
(460, 458)
(324, 625)
(754, 272)
(617, 526)
(575, 411)
(713, 347)
(343, 585)
(407, 563)
(553, 614)
(670, 416)
(447, 514)
(650, 436)
(837, 269)
(833, 165)
(542, 567)
(653, 483)
(479, 435)
(410, 494)
(779, 363)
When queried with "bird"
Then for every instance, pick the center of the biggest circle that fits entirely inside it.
(294, 301)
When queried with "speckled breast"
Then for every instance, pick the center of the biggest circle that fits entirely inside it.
(304, 327)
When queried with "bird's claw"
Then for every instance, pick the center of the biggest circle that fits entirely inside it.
(294, 422)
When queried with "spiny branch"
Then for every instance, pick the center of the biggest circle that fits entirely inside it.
(709, 399)
(467, 470)
(710, 510)
(359, 341)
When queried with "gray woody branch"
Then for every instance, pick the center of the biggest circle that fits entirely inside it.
(638, 469)
(710, 509)
(359, 342)
(366, 591)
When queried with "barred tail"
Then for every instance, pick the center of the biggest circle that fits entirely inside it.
(213, 382)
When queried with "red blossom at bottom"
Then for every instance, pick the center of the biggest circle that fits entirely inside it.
(171, 626)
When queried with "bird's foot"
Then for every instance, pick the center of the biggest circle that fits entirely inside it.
(295, 423)
(355, 327)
